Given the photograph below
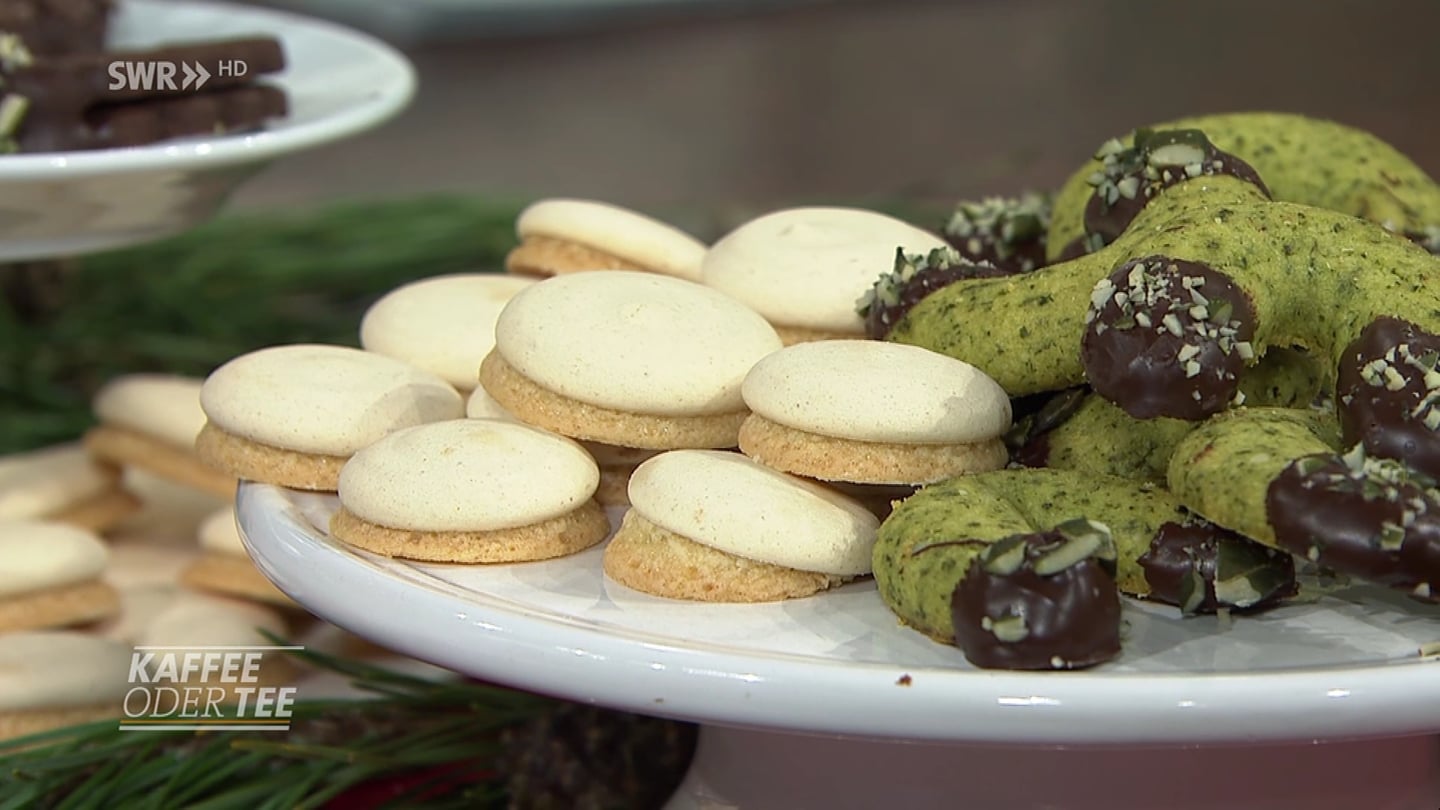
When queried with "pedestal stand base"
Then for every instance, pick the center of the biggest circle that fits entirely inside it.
(737, 769)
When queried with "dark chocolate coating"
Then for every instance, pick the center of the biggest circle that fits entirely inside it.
(1106, 221)
(882, 318)
(235, 109)
(1373, 520)
(1020, 258)
(880, 499)
(1387, 387)
(1150, 352)
(1028, 437)
(1072, 617)
(1183, 562)
(1009, 233)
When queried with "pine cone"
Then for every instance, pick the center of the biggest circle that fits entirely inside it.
(577, 757)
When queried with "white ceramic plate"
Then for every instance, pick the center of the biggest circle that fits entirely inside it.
(1345, 666)
(339, 83)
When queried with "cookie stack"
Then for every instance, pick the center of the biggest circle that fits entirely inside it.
(876, 420)
(647, 371)
(99, 539)
(487, 419)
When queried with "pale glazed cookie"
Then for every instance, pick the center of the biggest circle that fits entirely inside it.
(445, 324)
(224, 567)
(201, 620)
(62, 483)
(150, 421)
(134, 563)
(193, 622)
(713, 526)
(616, 463)
(628, 359)
(146, 576)
(138, 608)
(292, 415)
(867, 412)
(50, 576)
(560, 236)
(804, 268)
(170, 512)
(470, 491)
(51, 680)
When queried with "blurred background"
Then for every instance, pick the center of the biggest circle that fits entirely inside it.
(707, 103)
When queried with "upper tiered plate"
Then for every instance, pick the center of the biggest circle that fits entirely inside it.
(339, 83)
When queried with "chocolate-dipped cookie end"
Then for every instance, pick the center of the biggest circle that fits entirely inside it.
(1168, 337)
(914, 277)
(1045, 600)
(1370, 518)
(1202, 568)
(1388, 393)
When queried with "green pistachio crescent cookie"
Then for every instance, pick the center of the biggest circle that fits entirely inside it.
(1302, 160)
(979, 550)
(1277, 476)
(1220, 469)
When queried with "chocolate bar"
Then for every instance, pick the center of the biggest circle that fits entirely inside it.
(56, 27)
(227, 110)
(136, 123)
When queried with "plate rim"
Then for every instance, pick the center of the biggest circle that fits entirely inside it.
(723, 686)
(189, 154)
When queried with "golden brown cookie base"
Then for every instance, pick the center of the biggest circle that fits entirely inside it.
(557, 537)
(791, 335)
(34, 721)
(99, 513)
(544, 408)
(130, 448)
(66, 605)
(830, 459)
(253, 461)
(233, 576)
(549, 256)
(657, 561)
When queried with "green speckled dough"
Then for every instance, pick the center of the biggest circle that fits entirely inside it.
(1301, 160)
(1100, 438)
(1222, 470)
(994, 505)
(1316, 279)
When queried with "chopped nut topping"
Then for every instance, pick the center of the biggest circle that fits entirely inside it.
(14, 54)
(1005, 556)
(1008, 629)
(886, 290)
(1001, 221)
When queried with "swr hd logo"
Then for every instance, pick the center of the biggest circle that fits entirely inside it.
(165, 75)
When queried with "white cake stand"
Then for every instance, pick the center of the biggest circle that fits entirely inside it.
(826, 702)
